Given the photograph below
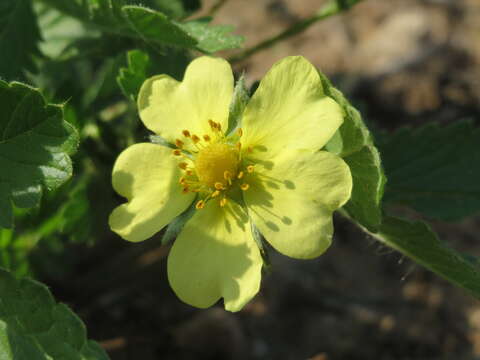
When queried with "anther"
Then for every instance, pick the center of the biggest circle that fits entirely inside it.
(186, 133)
(219, 186)
(182, 180)
(195, 139)
(239, 132)
(177, 152)
(240, 175)
(214, 125)
(185, 190)
(249, 149)
(215, 193)
(244, 186)
(183, 165)
(206, 138)
(179, 143)
(200, 204)
(250, 168)
(189, 172)
(227, 175)
(223, 202)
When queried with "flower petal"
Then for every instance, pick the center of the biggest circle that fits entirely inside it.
(292, 204)
(167, 106)
(147, 175)
(216, 256)
(289, 111)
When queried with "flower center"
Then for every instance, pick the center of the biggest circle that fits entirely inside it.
(217, 163)
(212, 165)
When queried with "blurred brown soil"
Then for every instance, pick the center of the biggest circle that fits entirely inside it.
(403, 62)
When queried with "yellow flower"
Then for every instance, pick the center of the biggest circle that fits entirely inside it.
(270, 172)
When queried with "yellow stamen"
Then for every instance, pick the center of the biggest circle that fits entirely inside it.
(215, 193)
(240, 175)
(214, 125)
(183, 165)
(195, 139)
(200, 204)
(219, 186)
(244, 186)
(185, 190)
(177, 152)
(189, 172)
(179, 143)
(228, 176)
(223, 202)
(186, 133)
(206, 138)
(182, 180)
(239, 132)
(250, 168)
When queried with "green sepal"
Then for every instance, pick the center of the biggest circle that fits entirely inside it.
(177, 224)
(354, 143)
(240, 100)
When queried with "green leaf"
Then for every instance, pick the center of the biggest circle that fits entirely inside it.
(174, 8)
(104, 14)
(131, 79)
(13, 254)
(417, 241)
(35, 143)
(34, 327)
(76, 213)
(435, 170)
(19, 37)
(211, 39)
(153, 26)
(354, 142)
(58, 30)
(143, 64)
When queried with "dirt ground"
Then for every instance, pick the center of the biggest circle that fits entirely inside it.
(402, 62)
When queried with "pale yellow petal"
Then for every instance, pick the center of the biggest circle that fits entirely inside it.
(148, 176)
(292, 204)
(215, 256)
(167, 106)
(289, 111)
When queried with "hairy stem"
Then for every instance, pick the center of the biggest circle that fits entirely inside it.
(333, 7)
(217, 6)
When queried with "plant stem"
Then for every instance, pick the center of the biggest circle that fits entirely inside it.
(215, 7)
(331, 8)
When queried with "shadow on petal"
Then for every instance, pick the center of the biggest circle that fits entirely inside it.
(214, 257)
